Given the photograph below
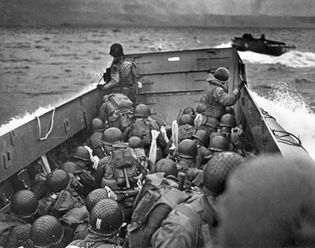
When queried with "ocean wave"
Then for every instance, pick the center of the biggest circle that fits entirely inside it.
(295, 59)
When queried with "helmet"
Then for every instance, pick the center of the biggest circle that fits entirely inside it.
(134, 142)
(167, 166)
(24, 204)
(106, 217)
(189, 111)
(217, 170)
(284, 188)
(69, 167)
(218, 144)
(112, 135)
(94, 197)
(222, 74)
(46, 230)
(201, 107)
(81, 153)
(203, 136)
(98, 125)
(58, 180)
(210, 122)
(186, 119)
(228, 120)
(142, 110)
(187, 148)
(116, 50)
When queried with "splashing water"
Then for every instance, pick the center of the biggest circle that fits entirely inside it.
(295, 59)
(293, 114)
(18, 121)
(224, 45)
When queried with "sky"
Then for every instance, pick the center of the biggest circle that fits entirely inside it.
(46, 12)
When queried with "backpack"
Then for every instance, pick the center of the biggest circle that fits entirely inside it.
(125, 163)
(152, 205)
(142, 129)
(7, 236)
(114, 105)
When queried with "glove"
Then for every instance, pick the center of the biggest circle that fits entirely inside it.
(241, 85)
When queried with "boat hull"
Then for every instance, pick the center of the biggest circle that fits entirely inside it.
(171, 81)
(274, 49)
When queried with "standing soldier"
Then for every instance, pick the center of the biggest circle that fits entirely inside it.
(215, 97)
(122, 75)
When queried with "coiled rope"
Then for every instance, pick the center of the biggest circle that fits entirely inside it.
(50, 129)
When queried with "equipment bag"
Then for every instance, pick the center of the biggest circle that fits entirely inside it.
(142, 129)
(114, 105)
(152, 206)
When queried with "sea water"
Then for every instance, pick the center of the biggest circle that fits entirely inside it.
(42, 68)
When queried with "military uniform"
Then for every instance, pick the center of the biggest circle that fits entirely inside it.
(123, 79)
(183, 226)
(215, 97)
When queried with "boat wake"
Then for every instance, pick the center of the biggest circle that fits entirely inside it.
(293, 114)
(295, 59)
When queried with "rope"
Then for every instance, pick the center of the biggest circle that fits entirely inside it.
(50, 129)
(266, 114)
(280, 138)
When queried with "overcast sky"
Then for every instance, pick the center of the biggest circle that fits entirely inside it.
(54, 12)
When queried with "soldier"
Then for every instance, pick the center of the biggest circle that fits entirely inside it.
(62, 196)
(15, 226)
(215, 97)
(47, 231)
(95, 140)
(269, 202)
(121, 172)
(142, 127)
(183, 227)
(92, 198)
(105, 221)
(202, 138)
(186, 162)
(122, 75)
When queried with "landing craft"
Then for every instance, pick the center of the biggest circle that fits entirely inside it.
(248, 43)
(170, 80)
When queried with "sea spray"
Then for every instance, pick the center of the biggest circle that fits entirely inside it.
(293, 114)
(295, 59)
(18, 121)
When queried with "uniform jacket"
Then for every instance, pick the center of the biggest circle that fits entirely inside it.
(216, 98)
(182, 228)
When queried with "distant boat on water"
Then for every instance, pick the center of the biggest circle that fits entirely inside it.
(248, 43)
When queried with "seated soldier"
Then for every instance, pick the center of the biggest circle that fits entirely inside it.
(105, 221)
(16, 225)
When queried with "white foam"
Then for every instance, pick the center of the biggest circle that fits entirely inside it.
(224, 45)
(293, 114)
(295, 59)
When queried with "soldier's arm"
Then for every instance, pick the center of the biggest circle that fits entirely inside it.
(115, 77)
(227, 99)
